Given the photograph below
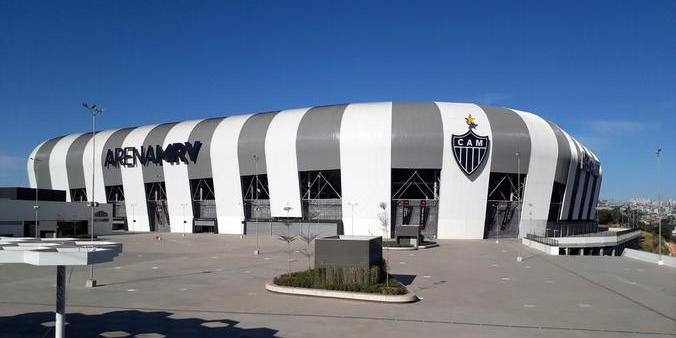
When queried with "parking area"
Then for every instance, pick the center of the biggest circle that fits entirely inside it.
(206, 285)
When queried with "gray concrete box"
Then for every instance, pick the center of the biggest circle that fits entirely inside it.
(348, 251)
(407, 234)
(407, 230)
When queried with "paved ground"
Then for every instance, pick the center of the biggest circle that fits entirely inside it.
(212, 286)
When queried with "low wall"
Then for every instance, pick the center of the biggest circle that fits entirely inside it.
(550, 250)
(278, 228)
(649, 257)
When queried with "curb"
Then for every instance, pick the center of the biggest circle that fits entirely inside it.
(369, 297)
(399, 248)
(410, 248)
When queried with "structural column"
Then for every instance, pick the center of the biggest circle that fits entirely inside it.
(59, 327)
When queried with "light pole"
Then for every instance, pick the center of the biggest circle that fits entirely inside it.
(133, 217)
(518, 184)
(352, 204)
(183, 205)
(241, 235)
(257, 251)
(36, 206)
(659, 209)
(94, 110)
(518, 198)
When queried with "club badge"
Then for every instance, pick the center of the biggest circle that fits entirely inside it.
(470, 149)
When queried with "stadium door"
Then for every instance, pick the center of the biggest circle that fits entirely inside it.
(158, 213)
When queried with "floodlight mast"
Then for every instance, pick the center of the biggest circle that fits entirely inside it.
(659, 210)
(93, 110)
(36, 206)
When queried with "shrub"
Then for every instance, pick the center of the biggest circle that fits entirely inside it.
(355, 279)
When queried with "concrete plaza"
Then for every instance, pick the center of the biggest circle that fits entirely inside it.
(212, 286)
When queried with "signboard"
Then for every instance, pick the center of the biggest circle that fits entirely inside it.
(173, 153)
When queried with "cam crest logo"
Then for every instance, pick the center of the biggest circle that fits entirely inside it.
(470, 149)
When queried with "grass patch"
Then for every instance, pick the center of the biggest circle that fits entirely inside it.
(351, 279)
(649, 242)
(394, 244)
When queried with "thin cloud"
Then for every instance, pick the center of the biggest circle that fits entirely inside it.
(598, 134)
(12, 170)
(492, 98)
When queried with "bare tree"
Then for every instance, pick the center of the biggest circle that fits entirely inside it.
(288, 239)
(385, 228)
(307, 252)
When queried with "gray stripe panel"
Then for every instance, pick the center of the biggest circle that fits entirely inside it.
(113, 175)
(76, 178)
(44, 179)
(563, 161)
(154, 172)
(510, 134)
(585, 196)
(417, 136)
(590, 200)
(318, 138)
(252, 142)
(577, 203)
(568, 203)
(203, 132)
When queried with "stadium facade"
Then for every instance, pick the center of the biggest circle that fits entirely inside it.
(458, 170)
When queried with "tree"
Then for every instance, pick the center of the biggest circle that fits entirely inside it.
(288, 239)
(385, 227)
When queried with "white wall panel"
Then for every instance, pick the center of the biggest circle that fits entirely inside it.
(99, 191)
(225, 169)
(282, 163)
(31, 168)
(133, 184)
(462, 201)
(541, 170)
(57, 164)
(572, 168)
(365, 165)
(177, 182)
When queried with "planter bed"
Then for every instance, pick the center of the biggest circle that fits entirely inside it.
(408, 297)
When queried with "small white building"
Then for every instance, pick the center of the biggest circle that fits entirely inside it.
(56, 217)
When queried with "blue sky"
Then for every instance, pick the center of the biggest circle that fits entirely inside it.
(603, 70)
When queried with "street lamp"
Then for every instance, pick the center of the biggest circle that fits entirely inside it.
(241, 235)
(257, 251)
(36, 206)
(659, 209)
(518, 197)
(133, 217)
(287, 209)
(183, 205)
(94, 110)
(352, 204)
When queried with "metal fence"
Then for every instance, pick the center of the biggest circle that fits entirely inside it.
(542, 239)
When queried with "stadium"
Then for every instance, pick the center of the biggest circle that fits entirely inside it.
(460, 171)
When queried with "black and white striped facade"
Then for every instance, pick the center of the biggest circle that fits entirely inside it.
(363, 145)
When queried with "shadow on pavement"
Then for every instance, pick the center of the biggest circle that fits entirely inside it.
(404, 279)
(125, 324)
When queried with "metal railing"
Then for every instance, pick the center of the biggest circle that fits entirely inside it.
(542, 239)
